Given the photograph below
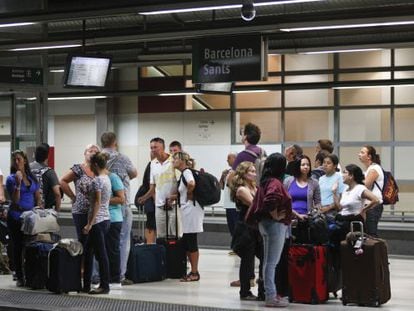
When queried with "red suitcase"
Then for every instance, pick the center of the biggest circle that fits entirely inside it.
(308, 273)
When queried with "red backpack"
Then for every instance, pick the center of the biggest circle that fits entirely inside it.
(389, 190)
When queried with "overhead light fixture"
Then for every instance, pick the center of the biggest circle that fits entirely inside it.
(251, 91)
(364, 25)
(57, 70)
(222, 7)
(179, 94)
(50, 47)
(341, 51)
(15, 25)
(369, 86)
(78, 97)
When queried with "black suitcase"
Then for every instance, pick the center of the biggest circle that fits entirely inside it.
(64, 273)
(365, 272)
(147, 263)
(36, 264)
(176, 256)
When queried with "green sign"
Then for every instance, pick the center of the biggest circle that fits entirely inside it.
(21, 75)
(228, 59)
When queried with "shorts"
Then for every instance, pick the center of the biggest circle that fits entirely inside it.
(150, 223)
(189, 241)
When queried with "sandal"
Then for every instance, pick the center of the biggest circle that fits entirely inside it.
(191, 277)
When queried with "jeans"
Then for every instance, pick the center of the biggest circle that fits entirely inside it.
(232, 216)
(96, 246)
(125, 238)
(373, 217)
(114, 255)
(17, 237)
(80, 221)
(273, 234)
(113, 250)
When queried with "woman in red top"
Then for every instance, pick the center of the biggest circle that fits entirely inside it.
(275, 206)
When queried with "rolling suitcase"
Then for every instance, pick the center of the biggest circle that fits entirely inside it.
(176, 257)
(36, 264)
(146, 262)
(365, 272)
(64, 273)
(307, 274)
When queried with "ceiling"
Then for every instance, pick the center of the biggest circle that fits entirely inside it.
(117, 28)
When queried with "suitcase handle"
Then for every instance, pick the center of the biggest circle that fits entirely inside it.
(361, 225)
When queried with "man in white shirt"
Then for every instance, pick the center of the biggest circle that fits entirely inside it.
(164, 184)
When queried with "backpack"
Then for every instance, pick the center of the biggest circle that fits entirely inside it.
(207, 189)
(38, 173)
(389, 190)
(258, 163)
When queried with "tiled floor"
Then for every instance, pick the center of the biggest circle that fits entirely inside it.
(217, 269)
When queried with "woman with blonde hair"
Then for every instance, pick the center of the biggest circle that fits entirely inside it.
(82, 176)
(192, 214)
(242, 191)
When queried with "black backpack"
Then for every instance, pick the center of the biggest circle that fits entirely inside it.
(207, 190)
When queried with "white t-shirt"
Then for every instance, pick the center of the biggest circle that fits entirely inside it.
(192, 215)
(163, 176)
(352, 201)
(380, 180)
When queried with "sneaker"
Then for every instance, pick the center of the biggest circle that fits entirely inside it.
(231, 253)
(99, 291)
(115, 286)
(126, 282)
(95, 285)
(249, 297)
(276, 303)
(286, 298)
(252, 282)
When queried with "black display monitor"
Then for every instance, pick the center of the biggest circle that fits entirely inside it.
(222, 88)
(87, 71)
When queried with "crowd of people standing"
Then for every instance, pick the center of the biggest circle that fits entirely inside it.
(283, 187)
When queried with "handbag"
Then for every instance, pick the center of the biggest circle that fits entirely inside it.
(242, 239)
(39, 220)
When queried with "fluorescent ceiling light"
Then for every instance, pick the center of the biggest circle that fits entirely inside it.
(77, 97)
(57, 70)
(179, 94)
(251, 91)
(33, 48)
(341, 51)
(348, 26)
(223, 7)
(15, 25)
(369, 86)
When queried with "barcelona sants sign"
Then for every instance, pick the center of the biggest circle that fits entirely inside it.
(228, 59)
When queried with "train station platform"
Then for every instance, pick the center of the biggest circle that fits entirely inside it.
(212, 292)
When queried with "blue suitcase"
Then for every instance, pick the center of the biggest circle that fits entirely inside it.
(64, 273)
(36, 264)
(147, 263)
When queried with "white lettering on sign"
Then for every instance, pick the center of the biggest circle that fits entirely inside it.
(216, 70)
(231, 52)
